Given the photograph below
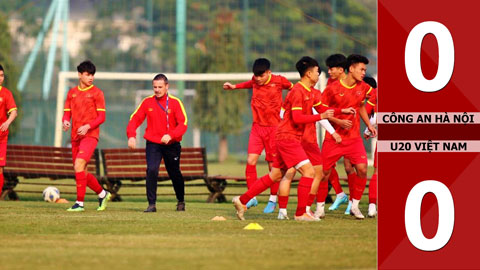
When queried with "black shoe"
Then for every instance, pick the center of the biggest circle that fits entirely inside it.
(151, 208)
(181, 206)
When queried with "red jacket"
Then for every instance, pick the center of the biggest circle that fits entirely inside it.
(156, 111)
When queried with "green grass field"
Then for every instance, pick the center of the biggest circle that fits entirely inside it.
(41, 235)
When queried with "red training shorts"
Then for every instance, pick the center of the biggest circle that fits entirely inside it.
(84, 148)
(352, 149)
(262, 137)
(313, 152)
(288, 154)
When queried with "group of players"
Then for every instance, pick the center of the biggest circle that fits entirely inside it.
(290, 142)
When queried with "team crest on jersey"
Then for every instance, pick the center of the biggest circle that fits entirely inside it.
(1, 99)
(272, 85)
(169, 111)
(150, 109)
(359, 93)
(341, 94)
(89, 95)
(74, 95)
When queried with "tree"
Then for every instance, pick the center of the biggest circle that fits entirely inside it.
(11, 74)
(216, 110)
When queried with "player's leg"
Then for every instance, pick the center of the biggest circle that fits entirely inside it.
(372, 191)
(1, 180)
(251, 175)
(255, 148)
(341, 197)
(86, 150)
(268, 139)
(303, 189)
(315, 156)
(171, 156)
(275, 175)
(284, 192)
(80, 178)
(154, 157)
(3, 162)
(351, 177)
(357, 155)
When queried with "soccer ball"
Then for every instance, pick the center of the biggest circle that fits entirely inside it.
(51, 194)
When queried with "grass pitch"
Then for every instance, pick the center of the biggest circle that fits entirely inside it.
(41, 235)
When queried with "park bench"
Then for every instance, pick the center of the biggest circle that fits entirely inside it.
(30, 161)
(130, 164)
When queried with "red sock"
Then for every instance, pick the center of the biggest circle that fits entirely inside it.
(303, 189)
(258, 187)
(93, 184)
(251, 175)
(81, 180)
(1, 183)
(322, 191)
(360, 184)
(372, 191)
(351, 183)
(335, 181)
(274, 188)
(282, 201)
(311, 198)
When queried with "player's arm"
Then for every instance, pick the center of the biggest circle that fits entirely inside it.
(136, 119)
(67, 114)
(242, 85)
(12, 114)
(300, 118)
(286, 84)
(363, 114)
(181, 119)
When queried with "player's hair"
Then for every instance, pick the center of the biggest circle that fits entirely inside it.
(336, 60)
(1, 68)
(160, 77)
(371, 81)
(87, 66)
(260, 66)
(353, 59)
(305, 63)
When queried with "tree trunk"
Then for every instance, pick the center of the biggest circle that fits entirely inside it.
(222, 148)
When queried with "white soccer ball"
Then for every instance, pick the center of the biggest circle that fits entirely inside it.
(51, 194)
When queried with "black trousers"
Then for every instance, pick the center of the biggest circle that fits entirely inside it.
(171, 156)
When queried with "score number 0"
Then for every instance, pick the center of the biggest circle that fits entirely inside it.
(446, 209)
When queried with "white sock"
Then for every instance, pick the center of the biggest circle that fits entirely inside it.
(372, 206)
(307, 209)
(355, 203)
(102, 194)
(273, 198)
(341, 194)
(79, 203)
(320, 205)
(282, 211)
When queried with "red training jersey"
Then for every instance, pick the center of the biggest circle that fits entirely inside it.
(371, 105)
(267, 99)
(84, 105)
(7, 105)
(156, 111)
(310, 133)
(338, 95)
(301, 98)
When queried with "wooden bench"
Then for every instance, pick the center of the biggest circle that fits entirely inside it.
(130, 164)
(29, 161)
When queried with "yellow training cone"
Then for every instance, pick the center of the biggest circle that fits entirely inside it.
(253, 226)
